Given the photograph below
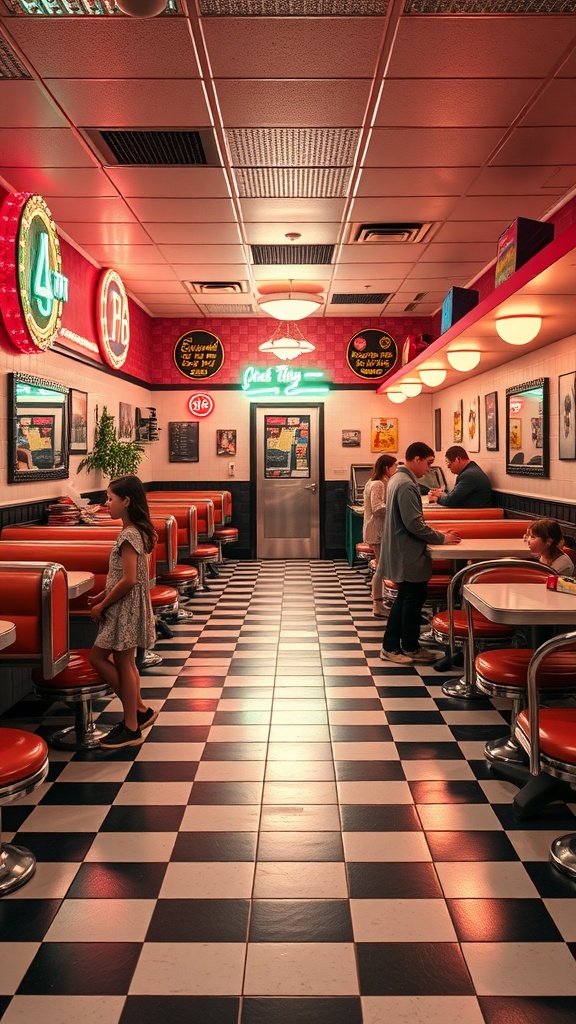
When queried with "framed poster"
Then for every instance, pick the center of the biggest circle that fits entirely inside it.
(438, 430)
(457, 431)
(384, 435)
(351, 438)
(491, 421)
(286, 446)
(225, 442)
(78, 422)
(515, 433)
(567, 416)
(126, 422)
(473, 425)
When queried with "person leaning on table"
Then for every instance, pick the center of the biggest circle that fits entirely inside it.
(472, 489)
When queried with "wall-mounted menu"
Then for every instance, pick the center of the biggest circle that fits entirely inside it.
(198, 354)
(183, 441)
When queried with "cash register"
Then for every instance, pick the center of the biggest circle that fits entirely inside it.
(359, 477)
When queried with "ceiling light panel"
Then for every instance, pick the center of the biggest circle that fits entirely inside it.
(489, 7)
(293, 8)
(292, 182)
(74, 8)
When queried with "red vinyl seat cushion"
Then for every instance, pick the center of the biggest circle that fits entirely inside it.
(204, 551)
(557, 732)
(160, 595)
(509, 667)
(483, 628)
(226, 533)
(78, 672)
(179, 574)
(21, 753)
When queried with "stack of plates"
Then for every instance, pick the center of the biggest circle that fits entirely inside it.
(63, 513)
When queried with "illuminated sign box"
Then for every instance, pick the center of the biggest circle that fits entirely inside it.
(283, 382)
(519, 243)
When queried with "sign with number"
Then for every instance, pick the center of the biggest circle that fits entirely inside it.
(199, 354)
(113, 319)
(32, 285)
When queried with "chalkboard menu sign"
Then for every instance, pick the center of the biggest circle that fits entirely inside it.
(183, 442)
(199, 354)
(371, 354)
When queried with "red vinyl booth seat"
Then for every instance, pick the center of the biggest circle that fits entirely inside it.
(462, 514)
(222, 501)
(482, 626)
(78, 556)
(35, 599)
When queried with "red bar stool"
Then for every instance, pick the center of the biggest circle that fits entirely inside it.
(77, 684)
(23, 767)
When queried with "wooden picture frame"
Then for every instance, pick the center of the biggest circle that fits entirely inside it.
(491, 421)
(78, 420)
(351, 438)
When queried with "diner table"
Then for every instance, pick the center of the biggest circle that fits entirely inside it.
(480, 548)
(7, 633)
(530, 604)
(79, 583)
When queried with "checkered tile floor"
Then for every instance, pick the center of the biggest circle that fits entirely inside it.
(308, 835)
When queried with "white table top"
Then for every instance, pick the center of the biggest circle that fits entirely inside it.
(7, 634)
(522, 603)
(481, 548)
(79, 583)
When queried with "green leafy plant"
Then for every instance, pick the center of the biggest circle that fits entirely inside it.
(112, 457)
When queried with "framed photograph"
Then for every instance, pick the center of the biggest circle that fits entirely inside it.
(438, 430)
(225, 442)
(566, 416)
(491, 421)
(457, 432)
(536, 430)
(515, 432)
(126, 418)
(384, 435)
(473, 425)
(78, 422)
(351, 438)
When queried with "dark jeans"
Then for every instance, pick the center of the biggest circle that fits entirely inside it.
(403, 626)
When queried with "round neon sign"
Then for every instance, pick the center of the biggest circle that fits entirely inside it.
(201, 404)
(113, 319)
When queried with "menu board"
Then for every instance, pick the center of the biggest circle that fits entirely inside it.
(199, 354)
(183, 441)
(286, 447)
(371, 354)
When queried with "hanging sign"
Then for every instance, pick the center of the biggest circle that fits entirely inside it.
(283, 382)
(371, 354)
(201, 404)
(113, 319)
(32, 286)
(199, 354)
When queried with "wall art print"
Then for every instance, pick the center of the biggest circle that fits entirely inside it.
(351, 438)
(457, 431)
(384, 435)
(491, 421)
(78, 422)
(567, 416)
(473, 425)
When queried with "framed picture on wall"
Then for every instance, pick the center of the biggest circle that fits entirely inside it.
(473, 425)
(566, 416)
(78, 422)
(438, 430)
(126, 422)
(384, 435)
(515, 432)
(351, 438)
(457, 431)
(491, 421)
(225, 442)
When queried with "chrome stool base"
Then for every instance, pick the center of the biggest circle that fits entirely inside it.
(563, 854)
(462, 690)
(505, 750)
(75, 739)
(17, 865)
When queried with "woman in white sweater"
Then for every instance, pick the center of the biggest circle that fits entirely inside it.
(374, 512)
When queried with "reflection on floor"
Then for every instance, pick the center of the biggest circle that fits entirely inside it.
(308, 835)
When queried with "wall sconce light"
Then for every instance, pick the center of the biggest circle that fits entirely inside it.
(518, 330)
(432, 376)
(290, 305)
(463, 359)
(411, 388)
(396, 396)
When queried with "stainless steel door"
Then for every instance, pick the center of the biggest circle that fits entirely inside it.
(288, 483)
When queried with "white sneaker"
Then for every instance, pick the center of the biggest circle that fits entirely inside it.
(397, 657)
(423, 656)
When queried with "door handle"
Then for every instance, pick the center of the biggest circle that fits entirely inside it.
(310, 487)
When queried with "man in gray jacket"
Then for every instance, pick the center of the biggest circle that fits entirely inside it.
(404, 558)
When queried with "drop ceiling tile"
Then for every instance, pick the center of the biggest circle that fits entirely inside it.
(416, 209)
(294, 273)
(385, 253)
(152, 272)
(275, 234)
(206, 254)
(175, 309)
(182, 211)
(467, 252)
(482, 47)
(193, 234)
(452, 103)
(136, 255)
(293, 211)
(386, 277)
(106, 47)
(151, 287)
(544, 145)
(470, 231)
(100, 210)
(106, 233)
(507, 207)
(23, 104)
(133, 104)
(556, 106)
(374, 285)
(515, 181)
(215, 272)
(448, 268)
(292, 104)
(42, 147)
(431, 147)
(163, 297)
(66, 182)
(314, 47)
(188, 182)
(415, 181)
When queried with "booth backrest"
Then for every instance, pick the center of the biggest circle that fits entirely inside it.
(491, 528)
(222, 501)
(76, 556)
(462, 514)
(34, 597)
(204, 513)
(186, 517)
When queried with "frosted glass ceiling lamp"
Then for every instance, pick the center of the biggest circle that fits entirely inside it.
(463, 360)
(396, 396)
(518, 330)
(411, 388)
(290, 305)
(142, 8)
(287, 343)
(432, 377)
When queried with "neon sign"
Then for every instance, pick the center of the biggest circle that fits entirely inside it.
(201, 404)
(32, 285)
(113, 319)
(283, 382)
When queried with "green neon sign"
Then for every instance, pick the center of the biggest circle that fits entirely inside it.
(283, 382)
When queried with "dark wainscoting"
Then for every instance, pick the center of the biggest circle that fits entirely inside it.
(521, 506)
(336, 495)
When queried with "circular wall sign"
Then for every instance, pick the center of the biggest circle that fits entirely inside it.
(32, 286)
(371, 354)
(199, 354)
(113, 319)
(201, 404)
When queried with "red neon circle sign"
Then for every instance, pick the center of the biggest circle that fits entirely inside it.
(201, 404)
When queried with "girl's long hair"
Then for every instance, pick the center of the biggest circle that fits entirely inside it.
(548, 530)
(381, 464)
(138, 511)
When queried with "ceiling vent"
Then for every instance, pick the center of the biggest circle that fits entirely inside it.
(292, 147)
(222, 309)
(10, 65)
(292, 182)
(293, 8)
(489, 7)
(288, 255)
(374, 234)
(415, 301)
(359, 298)
(217, 287)
(75, 8)
(154, 147)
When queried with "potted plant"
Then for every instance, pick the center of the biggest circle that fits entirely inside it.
(112, 457)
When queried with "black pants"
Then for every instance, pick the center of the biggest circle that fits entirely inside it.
(403, 626)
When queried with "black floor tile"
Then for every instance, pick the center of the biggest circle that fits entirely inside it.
(448, 792)
(301, 921)
(369, 771)
(550, 883)
(163, 771)
(81, 969)
(392, 881)
(207, 920)
(226, 793)
(338, 1010)
(180, 1010)
(425, 751)
(81, 793)
(215, 846)
(233, 751)
(128, 818)
(554, 816)
(414, 718)
(360, 734)
(179, 733)
(503, 920)
(412, 969)
(56, 846)
(528, 1010)
(470, 846)
(26, 920)
(119, 881)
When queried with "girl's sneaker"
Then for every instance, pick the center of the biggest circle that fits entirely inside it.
(121, 736)
(146, 718)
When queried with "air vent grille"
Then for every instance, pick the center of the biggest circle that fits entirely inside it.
(390, 234)
(217, 287)
(10, 66)
(74, 8)
(489, 7)
(284, 255)
(226, 309)
(292, 182)
(160, 148)
(293, 8)
(292, 147)
(359, 298)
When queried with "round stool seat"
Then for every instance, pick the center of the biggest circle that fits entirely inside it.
(483, 628)
(363, 549)
(557, 732)
(160, 595)
(21, 754)
(78, 672)
(509, 667)
(180, 574)
(226, 534)
(205, 551)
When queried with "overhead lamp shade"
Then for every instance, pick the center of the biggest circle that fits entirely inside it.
(463, 360)
(287, 343)
(142, 8)
(411, 388)
(518, 330)
(290, 305)
(396, 396)
(432, 377)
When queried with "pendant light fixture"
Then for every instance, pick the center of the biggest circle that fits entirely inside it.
(287, 343)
